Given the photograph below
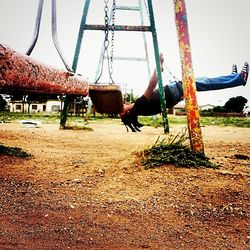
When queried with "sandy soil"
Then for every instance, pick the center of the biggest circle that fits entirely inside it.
(88, 190)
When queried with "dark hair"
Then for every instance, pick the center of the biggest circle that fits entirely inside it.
(131, 120)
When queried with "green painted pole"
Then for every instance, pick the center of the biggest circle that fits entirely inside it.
(68, 100)
(158, 68)
(80, 34)
(193, 118)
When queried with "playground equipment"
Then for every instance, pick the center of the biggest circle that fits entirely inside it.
(193, 118)
(107, 98)
(19, 73)
(107, 27)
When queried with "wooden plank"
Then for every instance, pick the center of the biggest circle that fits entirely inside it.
(21, 74)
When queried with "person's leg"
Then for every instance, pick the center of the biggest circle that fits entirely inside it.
(223, 82)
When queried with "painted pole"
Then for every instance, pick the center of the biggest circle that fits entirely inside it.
(20, 74)
(68, 99)
(193, 118)
(158, 68)
(80, 35)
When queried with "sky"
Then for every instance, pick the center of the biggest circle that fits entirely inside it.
(218, 29)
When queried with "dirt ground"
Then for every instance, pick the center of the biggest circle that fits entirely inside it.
(88, 190)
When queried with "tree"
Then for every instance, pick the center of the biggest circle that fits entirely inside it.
(3, 103)
(219, 109)
(235, 104)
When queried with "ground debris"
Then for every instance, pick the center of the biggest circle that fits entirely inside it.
(241, 157)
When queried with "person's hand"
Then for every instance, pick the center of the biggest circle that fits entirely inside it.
(161, 61)
(161, 58)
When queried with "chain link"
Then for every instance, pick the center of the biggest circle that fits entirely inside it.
(146, 8)
(112, 38)
(106, 40)
(171, 76)
(106, 21)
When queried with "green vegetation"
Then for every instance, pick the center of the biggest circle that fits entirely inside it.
(174, 151)
(13, 151)
(205, 121)
(45, 118)
(226, 121)
(148, 121)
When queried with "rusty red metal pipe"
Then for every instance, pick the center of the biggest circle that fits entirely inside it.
(22, 74)
(193, 118)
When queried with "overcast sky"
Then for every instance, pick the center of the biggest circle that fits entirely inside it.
(219, 36)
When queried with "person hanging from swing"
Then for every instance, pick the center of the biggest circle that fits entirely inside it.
(149, 103)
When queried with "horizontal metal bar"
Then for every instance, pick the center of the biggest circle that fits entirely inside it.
(127, 8)
(128, 58)
(118, 27)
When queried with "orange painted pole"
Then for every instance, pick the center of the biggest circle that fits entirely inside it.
(193, 118)
(21, 74)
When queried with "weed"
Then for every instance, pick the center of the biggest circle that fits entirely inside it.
(174, 151)
(13, 151)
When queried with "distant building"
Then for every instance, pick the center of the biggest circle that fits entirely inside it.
(179, 109)
(51, 106)
(246, 111)
(206, 107)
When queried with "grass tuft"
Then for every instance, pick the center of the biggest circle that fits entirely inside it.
(174, 150)
(13, 151)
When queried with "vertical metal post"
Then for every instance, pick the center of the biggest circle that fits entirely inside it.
(80, 34)
(75, 60)
(158, 68)
(192, 111)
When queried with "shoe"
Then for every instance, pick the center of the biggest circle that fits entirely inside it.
(244, 72)
(234, 69)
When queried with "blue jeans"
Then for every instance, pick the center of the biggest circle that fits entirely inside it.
(206, 84)
(221, 82)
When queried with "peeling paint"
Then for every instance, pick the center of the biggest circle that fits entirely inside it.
(189, 87)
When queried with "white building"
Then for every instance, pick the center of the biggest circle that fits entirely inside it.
(51, 106)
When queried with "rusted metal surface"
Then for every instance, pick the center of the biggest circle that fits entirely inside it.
(21, 74)
(118, 27)
(107, 98)
(192, 111)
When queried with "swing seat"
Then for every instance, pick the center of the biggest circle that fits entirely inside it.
(106, 98)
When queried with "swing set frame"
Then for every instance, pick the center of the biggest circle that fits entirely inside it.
(193, 119)
(151, 28)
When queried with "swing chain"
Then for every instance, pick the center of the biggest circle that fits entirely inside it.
(106, 43)
(106, 20)
(146, 8)
(112, 37)
(172, 77)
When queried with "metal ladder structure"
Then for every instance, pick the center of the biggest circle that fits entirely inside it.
(138, 9)
(142, 28)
